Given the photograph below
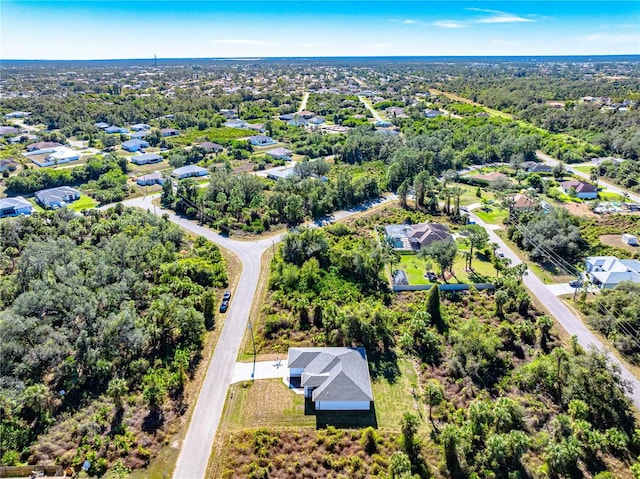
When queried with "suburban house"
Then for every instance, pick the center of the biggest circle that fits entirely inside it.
(522, 202)
(415, 237)
(101, 125)
(140, 127)
(288, 116)
(279, 173)
(18, 114)
(305, 114)
(9, 131)
(228, 113)
(535, 167)
(57, 197)
(584, 190)
(134, 145)
(261, 140)
(189, 171)
(298, 122)
(52, 156)
(383, 123)
(14, 207)
(335, 379)
(235, 123)
(211, 147)
(316, 120)
(396, 112)
(43, 145)
(138, 135)
(432, 113)
(280, 153)
(259, 127)
(146, 159)
(607, 272)
(154, 178)
(169, 132)
(115, 129)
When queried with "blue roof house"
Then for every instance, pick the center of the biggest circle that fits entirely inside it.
(115, 129)
(134, 145)
(261, 140)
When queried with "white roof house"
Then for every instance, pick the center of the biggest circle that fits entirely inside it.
(14, 206)
(53, 156)
(336, 379)
(189, 171)
(608, 271)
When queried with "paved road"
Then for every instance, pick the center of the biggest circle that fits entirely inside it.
(560, 312)
(616, 189)
(373, 111)
(197, 444)
(303, 104)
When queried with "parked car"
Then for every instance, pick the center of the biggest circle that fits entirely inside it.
(226, 296)
(575, 283)
(223, 306)
(499, 254)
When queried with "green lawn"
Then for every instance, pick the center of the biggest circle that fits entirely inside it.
(582, 169)
(84, 203)
(393, 398)
(610, 196)
(36, 205)
(492, 215)
(469, 197)
(415, 268)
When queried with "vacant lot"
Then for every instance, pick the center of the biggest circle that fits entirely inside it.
(616, 241)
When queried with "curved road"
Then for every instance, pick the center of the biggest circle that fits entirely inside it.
(572, 324)
(616, 189)
(197, 444)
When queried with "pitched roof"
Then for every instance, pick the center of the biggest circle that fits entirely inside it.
(493, 176)
(427, 233)
(14, 202)
(279, 152)
(42, 145)
(207, 145)
(338, 374)
(579, 186)
(58, 193)
(185, 170)
(521, 201)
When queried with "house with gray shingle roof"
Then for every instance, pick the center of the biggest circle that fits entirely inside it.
(336, 379)
(57, 197)
(14, 206)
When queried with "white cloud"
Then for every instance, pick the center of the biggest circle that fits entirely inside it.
(408, 21)
(496, 16)
(449, 24)
(232, 41)
(611, 38)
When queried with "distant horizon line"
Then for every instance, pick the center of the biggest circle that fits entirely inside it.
(338, 57)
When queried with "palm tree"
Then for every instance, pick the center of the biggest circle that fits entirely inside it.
(116, 390)
(433, 396)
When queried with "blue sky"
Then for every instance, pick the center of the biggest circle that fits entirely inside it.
(174, 29)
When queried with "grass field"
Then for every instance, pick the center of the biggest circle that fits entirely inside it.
(469, 197)
(610, 196)
(415, 268)
(84, 203)
(582, 169)
(491, 215)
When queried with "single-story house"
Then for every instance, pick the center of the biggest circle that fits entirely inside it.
(189, 171)
(57, 197)
(43, 145)
(169, 132)
(146, 159)
(140, 127)
(583, 189)
(607, 272)
(317, 120)
(235, 123)
(335, 379)
(101, 125)
(261, 140)
(9, 131)
(382, 123)
(154, 178)
(53, 156)
(22, 138)
(228, 113)
(535, 167)
(288, 116)
(298, 122)
(396, 111)
(210, 147)
(138, 135)
(14, 207)
(522, 202)
(115, 129)
(306, 114)
(280, 153)
(429, 113)
(629, 239)
(134, 145)
(279, 173)
(416, 236)
(259, 127)
(18, 114)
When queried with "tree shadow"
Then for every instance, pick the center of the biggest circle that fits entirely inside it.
(384, 364)
(116, 426)
(341, 419)
(153, 421)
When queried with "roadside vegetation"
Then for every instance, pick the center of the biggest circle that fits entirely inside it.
(102, 324)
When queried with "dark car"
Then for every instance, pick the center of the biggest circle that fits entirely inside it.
(223, 306)
(575, 283)
(226, 296)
